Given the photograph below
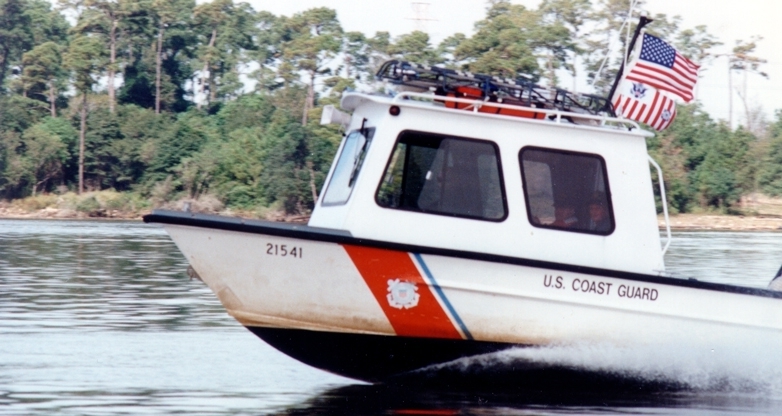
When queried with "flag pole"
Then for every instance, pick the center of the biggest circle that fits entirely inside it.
(608, 106)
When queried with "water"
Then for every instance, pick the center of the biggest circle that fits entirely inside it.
(100, 318)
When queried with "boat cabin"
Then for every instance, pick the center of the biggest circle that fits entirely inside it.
(457, 172)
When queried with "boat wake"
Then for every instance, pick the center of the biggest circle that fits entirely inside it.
(740, 368)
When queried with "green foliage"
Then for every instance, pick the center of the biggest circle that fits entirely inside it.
(265, 147)
(770, 175)
(34, 203)
(18, 113)
(414, 47)
(88, 205)
(84, 57)
(15, 34)
(503, 42)
(185, 138)
(43, 75)
(36, 157)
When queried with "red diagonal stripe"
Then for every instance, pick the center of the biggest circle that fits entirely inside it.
(377, 267)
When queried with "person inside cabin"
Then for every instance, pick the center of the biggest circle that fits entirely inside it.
(564, 216)
(598, 215)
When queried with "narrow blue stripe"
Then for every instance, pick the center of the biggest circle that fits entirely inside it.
(442, 296)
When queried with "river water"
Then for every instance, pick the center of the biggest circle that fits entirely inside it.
(100, 318)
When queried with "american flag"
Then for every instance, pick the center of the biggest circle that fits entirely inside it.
(640, 102)
(659, 65)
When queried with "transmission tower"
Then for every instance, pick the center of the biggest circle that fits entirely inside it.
(420, 15)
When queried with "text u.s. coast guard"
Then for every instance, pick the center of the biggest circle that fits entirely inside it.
(599, 287)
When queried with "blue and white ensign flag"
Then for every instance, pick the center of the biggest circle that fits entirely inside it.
(640, 102)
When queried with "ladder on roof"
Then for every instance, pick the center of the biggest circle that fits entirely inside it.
(522, 92)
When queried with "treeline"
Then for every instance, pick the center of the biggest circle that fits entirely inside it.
(167, 99)
(707, 165)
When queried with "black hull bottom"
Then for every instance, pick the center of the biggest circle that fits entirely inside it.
(370, 357)
(393, 360)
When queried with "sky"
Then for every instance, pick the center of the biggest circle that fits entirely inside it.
(727, 20)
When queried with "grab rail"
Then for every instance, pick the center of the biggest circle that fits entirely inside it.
(664, 203)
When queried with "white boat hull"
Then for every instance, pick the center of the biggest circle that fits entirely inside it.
(304, 279)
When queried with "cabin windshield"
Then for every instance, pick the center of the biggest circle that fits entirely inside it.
(354, 151)
(444, 175)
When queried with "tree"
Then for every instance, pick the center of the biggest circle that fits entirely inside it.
(83, 59)
(414, 47)
(47, 24)
(268, 51)
(313, 39)
(743, 60)
(604, 56)
(101, 17)
(230, 29)
(572, 15)
(158, 63)
(168, 13)
(44, 72)
(285, 176)
(45, 153)
(356, 54)
(770, 175)
(446, 50)
(697, 44)
(378, 50)
(16, 35)
(502, 44)
(183, 139)
(212, 17)
(33, 159)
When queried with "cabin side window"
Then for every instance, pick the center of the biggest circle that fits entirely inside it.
(566, 190)
(348, 166)
(444, 175)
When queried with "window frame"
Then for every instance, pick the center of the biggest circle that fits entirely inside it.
(447, 214)
(368, 133)
(609, 198)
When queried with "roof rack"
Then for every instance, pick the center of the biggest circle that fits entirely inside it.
(521, 92)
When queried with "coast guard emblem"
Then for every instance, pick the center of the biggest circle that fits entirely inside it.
(638, 91)
(402, 294)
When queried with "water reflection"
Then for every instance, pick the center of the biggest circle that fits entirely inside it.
(414, 400)
(79, 275)
(736, 258)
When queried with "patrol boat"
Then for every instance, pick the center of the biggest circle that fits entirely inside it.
(467, 215)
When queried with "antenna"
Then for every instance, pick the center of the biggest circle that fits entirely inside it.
(420, 15)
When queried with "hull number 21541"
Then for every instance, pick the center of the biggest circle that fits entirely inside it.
(284, 250)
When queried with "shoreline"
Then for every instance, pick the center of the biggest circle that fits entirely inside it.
(679, 222)
(715, 222)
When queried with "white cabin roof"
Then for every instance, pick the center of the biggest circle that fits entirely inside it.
(352, 100)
